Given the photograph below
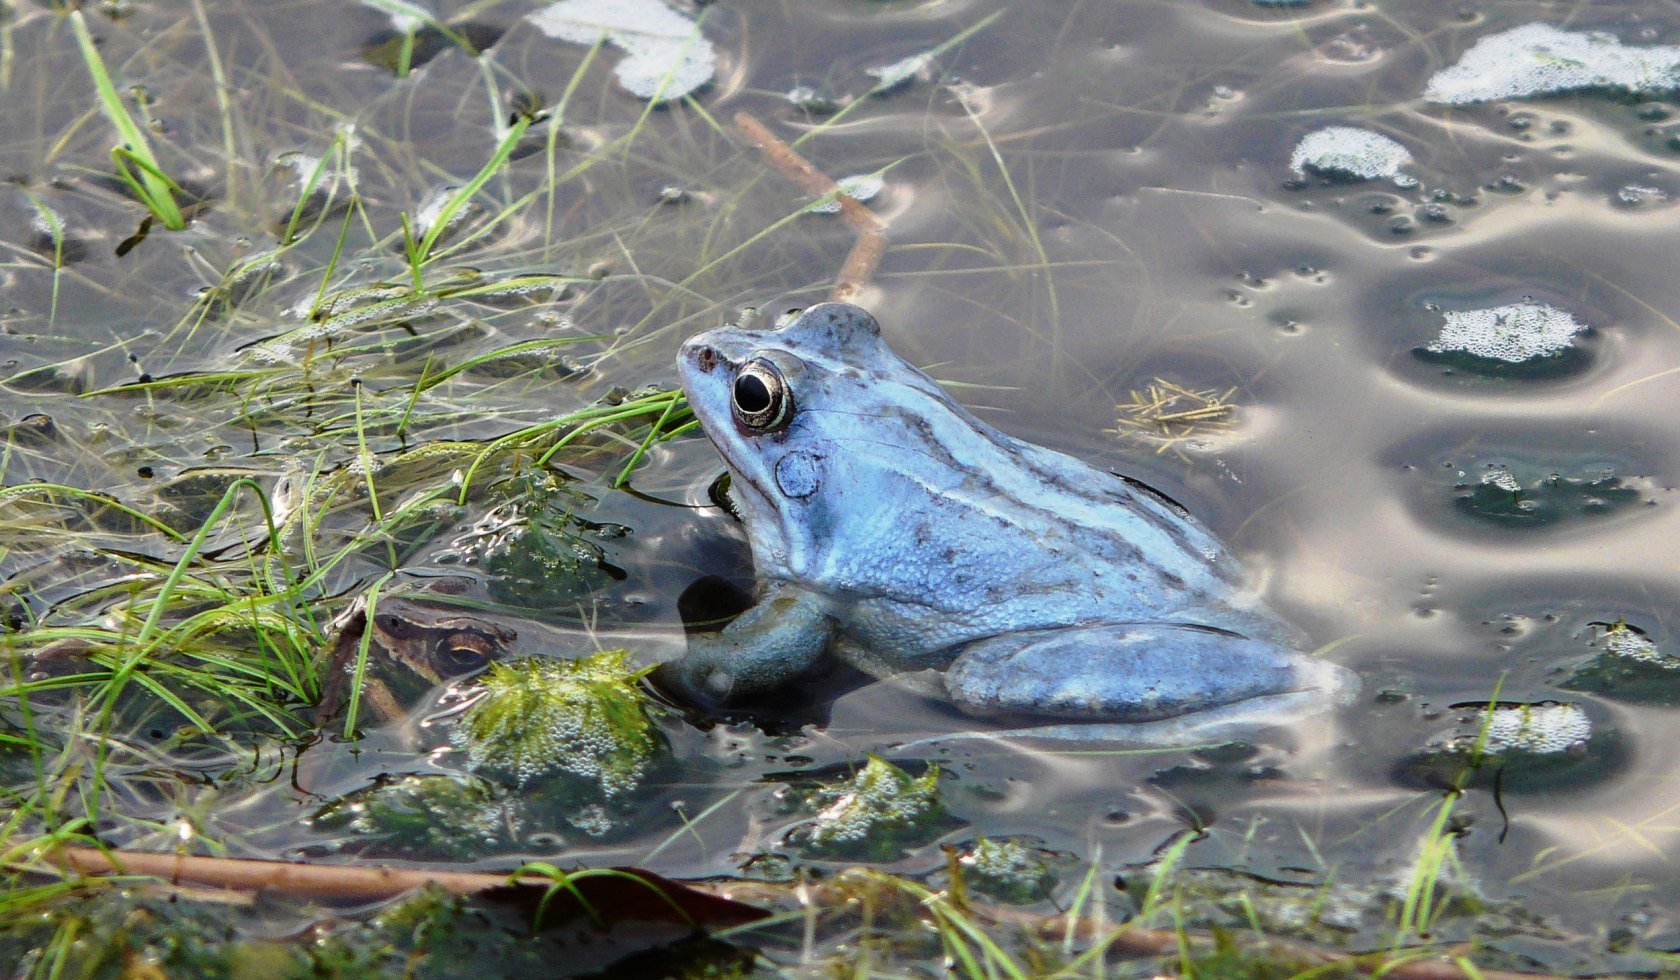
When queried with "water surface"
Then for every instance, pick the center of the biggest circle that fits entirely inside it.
(1080, 199)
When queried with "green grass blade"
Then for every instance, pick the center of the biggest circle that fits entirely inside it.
(159, 195)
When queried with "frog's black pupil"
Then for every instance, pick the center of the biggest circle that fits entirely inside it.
(752, 395)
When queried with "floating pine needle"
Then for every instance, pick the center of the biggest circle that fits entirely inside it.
(1170, 415)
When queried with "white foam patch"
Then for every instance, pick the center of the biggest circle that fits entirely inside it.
(1537, 59)
(902, 71)
(405, 17)
(50, 224)
(665, 55)
(1347, 151)
(1542, 729)
(1634, 645)
(1502, 478)
(1515, 333)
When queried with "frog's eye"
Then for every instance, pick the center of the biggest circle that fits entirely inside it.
(762, 400)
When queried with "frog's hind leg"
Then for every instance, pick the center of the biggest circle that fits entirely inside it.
(1142, 683)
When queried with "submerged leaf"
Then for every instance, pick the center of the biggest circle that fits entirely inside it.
(665, 55)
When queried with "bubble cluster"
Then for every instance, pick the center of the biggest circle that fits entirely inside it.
(1009, 869)
(1501, 478)
(427, 814)
(902, 71)
(1630, 644)
(1515, 333)
(1640, 195)
(1545, 728)
(582, 718)
(1537, 59)
(1350, 153)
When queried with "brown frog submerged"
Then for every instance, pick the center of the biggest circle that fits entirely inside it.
(426, 642)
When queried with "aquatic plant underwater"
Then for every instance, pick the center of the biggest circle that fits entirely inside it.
(347, 499)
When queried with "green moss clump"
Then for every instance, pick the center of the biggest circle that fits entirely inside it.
(875, 815)
(1629, 667)
(1009, 869)
(416, 815)
(586, 719)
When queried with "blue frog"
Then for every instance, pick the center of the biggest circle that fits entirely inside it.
(893, 530)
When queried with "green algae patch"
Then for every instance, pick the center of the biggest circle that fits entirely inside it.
(1630, 667)
(1009, 869)
(537, 553)
(1517, 496)
(424, 815)
(102, 930)
(876, 815)
(586, 720)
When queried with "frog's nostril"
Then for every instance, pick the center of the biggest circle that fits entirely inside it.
(707, 359)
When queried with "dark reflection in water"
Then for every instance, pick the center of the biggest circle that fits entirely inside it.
(1081, 198)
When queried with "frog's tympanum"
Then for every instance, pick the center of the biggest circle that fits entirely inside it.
(896, 532)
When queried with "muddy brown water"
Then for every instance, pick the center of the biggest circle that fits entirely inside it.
(1148, 227)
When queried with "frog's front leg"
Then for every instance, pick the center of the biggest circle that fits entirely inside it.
(776, 640)
(1137, 673)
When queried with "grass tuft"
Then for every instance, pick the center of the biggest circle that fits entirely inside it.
(137, 165)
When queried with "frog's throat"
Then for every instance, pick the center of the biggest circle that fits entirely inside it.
(778, 546)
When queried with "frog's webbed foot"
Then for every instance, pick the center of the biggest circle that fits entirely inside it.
(1160, 682)
(776, 640)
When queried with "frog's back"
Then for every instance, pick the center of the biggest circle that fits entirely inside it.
(956, 531)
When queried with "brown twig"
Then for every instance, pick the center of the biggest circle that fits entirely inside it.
(309, 881)
(871, 243)
(859, 267)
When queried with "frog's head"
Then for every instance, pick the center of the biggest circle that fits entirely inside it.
(791, 411)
